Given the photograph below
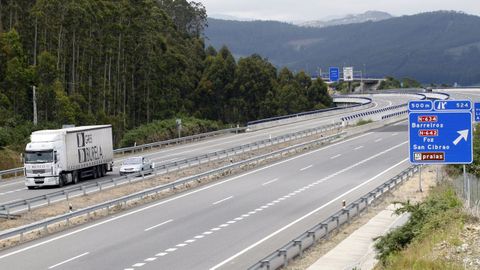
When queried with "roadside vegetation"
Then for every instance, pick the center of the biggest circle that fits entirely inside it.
(130, 64)
(392, 83)
(434, 221)
(364, 122)
(440, 234)
(166, 129)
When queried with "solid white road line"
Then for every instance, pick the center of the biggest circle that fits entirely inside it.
(11, 184)
(164, 161)
(304, 217)
(158, 225)
(69, 260)
(269, 182)
(222, 200)
(12, 191)
(306, 168)
(176, 198)
(336, 156)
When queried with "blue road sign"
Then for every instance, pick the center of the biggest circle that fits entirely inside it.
(443, 136)
(334, 74)
(453, 105)
(477, 112)
(420, 105)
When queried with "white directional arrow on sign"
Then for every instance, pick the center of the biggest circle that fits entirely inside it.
(463, 135)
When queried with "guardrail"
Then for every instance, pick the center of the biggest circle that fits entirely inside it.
(165, 168)
(149, 146)
(16, 172)
(43, 225)
(283, 120)
(368, 113)
(296, 247)
(192, 138)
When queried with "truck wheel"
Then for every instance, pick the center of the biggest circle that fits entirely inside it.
(74, 178)
(103, 170)
(61, 180)
(30, 187)
(95, 172)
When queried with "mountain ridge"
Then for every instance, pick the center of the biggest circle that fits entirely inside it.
(371, 15)
(433, 47)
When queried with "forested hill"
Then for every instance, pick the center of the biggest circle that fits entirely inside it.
(128, 63)
(437, 47)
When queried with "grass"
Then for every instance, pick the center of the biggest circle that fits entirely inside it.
(364, 122)
(9, 159)
(414, 246)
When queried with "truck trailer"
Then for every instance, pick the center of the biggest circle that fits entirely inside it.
(63, 156)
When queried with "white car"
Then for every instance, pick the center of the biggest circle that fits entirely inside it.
(135, 165)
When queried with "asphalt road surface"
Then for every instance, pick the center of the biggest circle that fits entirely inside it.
(12, 190)
(230, 224)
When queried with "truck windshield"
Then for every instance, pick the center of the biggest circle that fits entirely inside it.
(39, 157)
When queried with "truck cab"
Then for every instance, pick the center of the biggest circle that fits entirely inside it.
(42, 161)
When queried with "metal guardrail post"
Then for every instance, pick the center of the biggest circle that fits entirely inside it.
(325, 227)
(300, 246)
(347, 211)
(283, 253)
(312, 234)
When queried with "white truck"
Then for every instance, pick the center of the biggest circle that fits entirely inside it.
(63, 156)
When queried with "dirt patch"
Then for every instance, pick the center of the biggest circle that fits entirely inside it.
(462, 248)
(60, 208)
(409, 190)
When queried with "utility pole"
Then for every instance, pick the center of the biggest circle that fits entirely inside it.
(35, 119)
(34, 96)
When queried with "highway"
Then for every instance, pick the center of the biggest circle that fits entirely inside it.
(14, 189)
(230, 224)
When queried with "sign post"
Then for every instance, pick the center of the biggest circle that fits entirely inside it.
(440, 132)
(178, 123)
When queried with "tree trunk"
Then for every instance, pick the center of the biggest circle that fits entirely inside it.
(35, 42)
(109, 80)
(59, 47)
(72, 84)
(124, 80)
(133, 98)
(1, 17)
(90, 84)
(105, 85)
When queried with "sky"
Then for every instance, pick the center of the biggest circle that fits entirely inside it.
(304, 10)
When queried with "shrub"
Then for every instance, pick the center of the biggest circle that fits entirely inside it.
(161, 130)
(425, 218)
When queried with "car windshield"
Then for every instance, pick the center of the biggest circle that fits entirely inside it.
(39, 157)
(132, 161)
